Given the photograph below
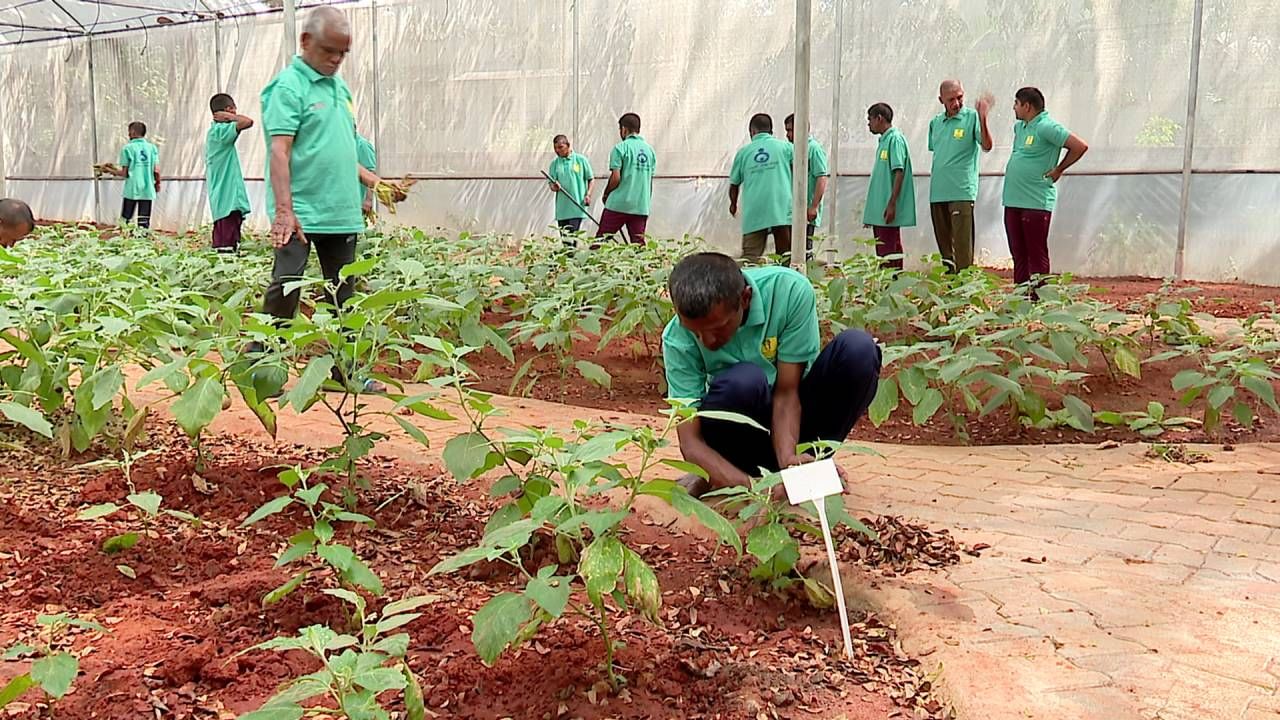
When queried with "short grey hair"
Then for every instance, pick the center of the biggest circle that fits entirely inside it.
(326, 18)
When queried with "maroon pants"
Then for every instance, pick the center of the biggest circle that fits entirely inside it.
(888, 242)
(611, 222)
(226, 231)
(1028, 232)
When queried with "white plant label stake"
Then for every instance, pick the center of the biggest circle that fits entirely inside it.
(813, 482)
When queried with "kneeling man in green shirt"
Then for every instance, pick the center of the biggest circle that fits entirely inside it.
(747, 342)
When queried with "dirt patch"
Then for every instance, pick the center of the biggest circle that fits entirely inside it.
(726, 648)
(1224, 300)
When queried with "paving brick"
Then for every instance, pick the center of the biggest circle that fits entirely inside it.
(1179, 555)
(1168, 536)
(1136, 571)
(1115, 545)
(1252, 515)
(1236, 485)
(1238, 531)
(1097, 703)
(1076, 635)
(1241, 548)
(1230, 565)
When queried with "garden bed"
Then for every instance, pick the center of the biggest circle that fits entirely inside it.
(727, 648)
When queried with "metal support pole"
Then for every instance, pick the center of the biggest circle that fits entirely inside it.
(377, 85)
(217, 55)
(1189, 145)
(93, 134)
(800, 168)
(290, 30)
(576, 71)
(833, 182)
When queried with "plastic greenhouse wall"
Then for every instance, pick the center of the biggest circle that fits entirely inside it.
(466, 94)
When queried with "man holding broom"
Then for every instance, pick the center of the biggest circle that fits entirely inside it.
(571, 181)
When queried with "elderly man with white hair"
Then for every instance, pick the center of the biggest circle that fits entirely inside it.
(955, 135)
(308, 117)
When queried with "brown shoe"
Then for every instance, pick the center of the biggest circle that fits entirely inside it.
(695, 485)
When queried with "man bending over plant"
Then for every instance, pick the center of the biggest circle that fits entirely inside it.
(747, 342)
(16, 221)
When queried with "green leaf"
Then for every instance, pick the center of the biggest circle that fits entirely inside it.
(1220, 395)
(1109, 417)
(497, 623)
(1263, 389)
(148, 502)
(413, 431)
(600, 447)
(505, 485)
(408, 604)
(18, 651)
(687, 505)
(465, 455)
(271, 507)
(1127, 362)
(119, 543)
(731, 417)
(550, 594)
(765, 541)
(686, 467)
(127, 571)
(274, 712)
(1156, 411)
(27, 417)
(106, 383)
(387, 624)
(1080, 412)
(55, 673)
(381, 679)
(357, 268)
(594, 373)
(14, 689)
(460, 560)
(1243, 414)
(414, 704)
(641, 584)
(289, 586)
(929, 403)
(395, 646)
(303, 392)
(198, 405)
(601, 567)
(97, 511)
(885, 402)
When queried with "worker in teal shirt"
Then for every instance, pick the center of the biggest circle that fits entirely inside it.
(891, 196)
(819, 175)
(228, 198)
(629, 193)
(748, 342)
(139, 166)
(571, 181)
(761, 179)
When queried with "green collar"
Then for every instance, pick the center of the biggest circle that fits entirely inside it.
(759, 135)
(307, 71)
(755, 313)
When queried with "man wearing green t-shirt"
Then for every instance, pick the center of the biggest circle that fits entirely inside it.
(308, 120)
(139, 161)
(629, 192)
(228, 199)
(571, 182)
(367, 157)
(891, 197)
(819, 172)
(954, 138)
(748, 342)
(1030, 181)
(761, 178)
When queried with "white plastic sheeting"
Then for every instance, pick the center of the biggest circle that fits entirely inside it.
(469, 93)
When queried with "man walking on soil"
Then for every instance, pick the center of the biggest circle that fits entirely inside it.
(761, 175)
(891, 197)
(1030, 181)
(228, 199)
(139, 166)
(571, 182)
(748, 342)
(629, 192)
(954, 138)
(818, 177)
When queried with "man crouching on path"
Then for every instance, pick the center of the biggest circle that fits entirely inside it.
(747, 342)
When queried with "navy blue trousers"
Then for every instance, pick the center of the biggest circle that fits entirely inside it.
(837, 391)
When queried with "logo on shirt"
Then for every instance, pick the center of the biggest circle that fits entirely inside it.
(769, 348)
(958, 134)
(318, 106)
(642, 159)
(577, 167)
(762, 156)
(1031, 140)
(884, 155)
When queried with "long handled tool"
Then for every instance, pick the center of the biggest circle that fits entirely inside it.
(572, 199)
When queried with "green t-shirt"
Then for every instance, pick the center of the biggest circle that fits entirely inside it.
(572, 173)
(955, 142)
(891, 154)
(223, 177)
(1037, 148)
(817, 168)
(635, 159)
(317, 111)
(762, 169)
(140, 157)
(781, 326)
(368, 159)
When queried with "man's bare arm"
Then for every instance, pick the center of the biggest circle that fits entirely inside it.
(694, 449)
(786, 413)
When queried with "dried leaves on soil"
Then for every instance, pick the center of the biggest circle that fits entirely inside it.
(902, 546)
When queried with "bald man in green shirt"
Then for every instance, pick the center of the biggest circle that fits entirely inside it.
(748, 342)
(955, 136)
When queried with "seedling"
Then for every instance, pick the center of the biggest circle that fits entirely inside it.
(149, 512)
(52, 670)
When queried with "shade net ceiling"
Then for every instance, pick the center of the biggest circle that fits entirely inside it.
(25, 21)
